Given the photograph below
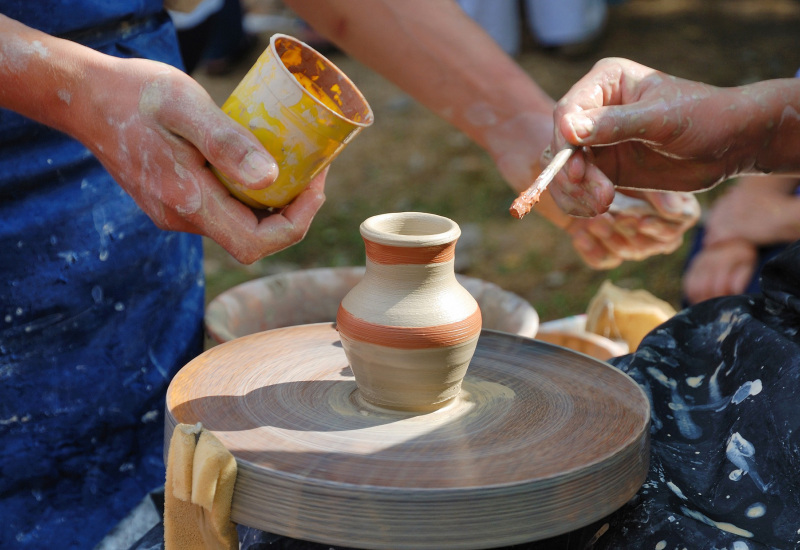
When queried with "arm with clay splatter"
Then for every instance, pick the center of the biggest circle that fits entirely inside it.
(155, 130)
(445, 60)
(644, 126)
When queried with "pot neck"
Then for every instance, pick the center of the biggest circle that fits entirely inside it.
(385, 254)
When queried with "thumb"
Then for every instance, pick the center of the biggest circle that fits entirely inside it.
(227, 145)
(615, 124)
(236, 152)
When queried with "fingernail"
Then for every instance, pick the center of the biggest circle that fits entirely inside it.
(256, 166)
(583, 126)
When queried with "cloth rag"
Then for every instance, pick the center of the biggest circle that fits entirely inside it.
(201, 474)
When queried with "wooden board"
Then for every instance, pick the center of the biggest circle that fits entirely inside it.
(542, 440)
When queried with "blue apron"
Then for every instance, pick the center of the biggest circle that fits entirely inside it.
(98, 309)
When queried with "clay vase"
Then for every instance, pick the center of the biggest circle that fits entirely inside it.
(408, 328)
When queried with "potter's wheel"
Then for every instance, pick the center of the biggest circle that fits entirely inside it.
(541, 441)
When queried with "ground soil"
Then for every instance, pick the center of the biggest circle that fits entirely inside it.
(411, 160)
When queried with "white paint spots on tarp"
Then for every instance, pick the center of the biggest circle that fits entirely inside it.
(662, 378)
(695, 381)
(42, 322)
(727, 527)
(683, 418)
(725, 320)
(157, 364)
(713, 384)
(69, 256)
(742, 454)
(756, 510)
(746, 390)
(104, 228)
(675, 489)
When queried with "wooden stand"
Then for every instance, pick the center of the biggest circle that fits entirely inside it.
(541, 441)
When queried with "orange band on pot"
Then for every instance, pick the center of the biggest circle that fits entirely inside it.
(402, 255)
(438, 336)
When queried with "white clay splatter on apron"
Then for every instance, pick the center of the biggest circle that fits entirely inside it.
(683, 419)
(728, 527)
(742, 454)
(756, 510)
(746, 390)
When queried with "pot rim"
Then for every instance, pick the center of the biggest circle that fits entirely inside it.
(410, 229)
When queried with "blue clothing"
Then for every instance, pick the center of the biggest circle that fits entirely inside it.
(98, 309)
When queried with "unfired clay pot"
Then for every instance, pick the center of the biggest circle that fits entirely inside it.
(408, 328)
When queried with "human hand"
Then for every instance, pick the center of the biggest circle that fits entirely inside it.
(156, 131)
(720, 270)
(762, 210)
(647, 130)
(634, 229)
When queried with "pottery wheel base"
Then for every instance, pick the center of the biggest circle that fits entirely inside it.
(540, 442)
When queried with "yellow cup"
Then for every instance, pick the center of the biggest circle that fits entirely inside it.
(302, 108)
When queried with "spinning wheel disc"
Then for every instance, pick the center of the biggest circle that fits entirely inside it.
(541, 441)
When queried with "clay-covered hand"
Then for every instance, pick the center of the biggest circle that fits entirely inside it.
(157, 131)
(634, 230)
(720, 270)
(647, 129)
(763, 210)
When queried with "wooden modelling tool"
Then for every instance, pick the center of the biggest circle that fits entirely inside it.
(539, 442)
(525, 201)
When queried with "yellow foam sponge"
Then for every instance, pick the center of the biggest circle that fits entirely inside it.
(201, 474)
(621, 314)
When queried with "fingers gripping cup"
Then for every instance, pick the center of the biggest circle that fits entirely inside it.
(303, 109)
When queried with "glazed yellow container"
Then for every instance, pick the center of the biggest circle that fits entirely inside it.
(303, 109)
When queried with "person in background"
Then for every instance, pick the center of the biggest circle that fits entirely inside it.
(721, 375)
(570, 27)
(212, 36)
(105, 148)
(750, 224)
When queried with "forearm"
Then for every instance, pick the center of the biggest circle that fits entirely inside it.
(437, 54)
(771, 113)
(44, 78)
